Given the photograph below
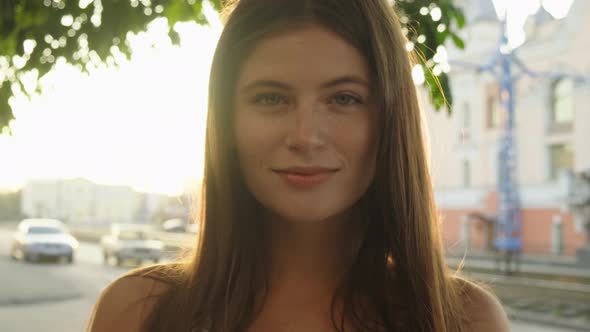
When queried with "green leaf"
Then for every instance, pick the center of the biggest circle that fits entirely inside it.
(460, 18)
(216, 4)
(458, 41)
(8, 46)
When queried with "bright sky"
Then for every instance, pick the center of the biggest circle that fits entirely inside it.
(518, 11)
(141, 125)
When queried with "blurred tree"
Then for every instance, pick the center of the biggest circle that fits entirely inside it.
(34, 34)
(10, 203)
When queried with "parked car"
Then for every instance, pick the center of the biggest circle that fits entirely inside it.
(175, 225)
(40, 238)
(131, 242)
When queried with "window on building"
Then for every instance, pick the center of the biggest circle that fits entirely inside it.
(493, 109)
(465, 132)
(561, 157)
(466, 173)
(562, 112)
(466, 116)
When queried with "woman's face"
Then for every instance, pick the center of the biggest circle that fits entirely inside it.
(305, 128)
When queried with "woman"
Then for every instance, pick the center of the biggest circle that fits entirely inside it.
(319, 213)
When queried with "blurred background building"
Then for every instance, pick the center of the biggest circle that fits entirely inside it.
(81, 201)
(552, 133)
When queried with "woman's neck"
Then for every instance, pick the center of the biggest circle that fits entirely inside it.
(310, 259)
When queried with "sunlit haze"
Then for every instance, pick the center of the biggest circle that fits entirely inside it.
(140, 125)
(143, 124)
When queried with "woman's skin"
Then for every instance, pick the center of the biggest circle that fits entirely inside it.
(305, 133)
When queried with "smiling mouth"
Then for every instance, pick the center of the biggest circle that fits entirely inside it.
(305, 177)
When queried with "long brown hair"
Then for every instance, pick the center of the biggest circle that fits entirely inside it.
(399, 280)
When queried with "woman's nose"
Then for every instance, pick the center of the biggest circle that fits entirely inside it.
(304, 131)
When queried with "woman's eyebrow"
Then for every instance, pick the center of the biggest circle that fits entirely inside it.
(269, 83)
(347, 79)
(265, 83)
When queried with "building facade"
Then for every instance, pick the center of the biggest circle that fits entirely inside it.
(552, 133)
(80, 201)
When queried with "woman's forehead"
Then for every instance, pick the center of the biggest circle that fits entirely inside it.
(311, 52)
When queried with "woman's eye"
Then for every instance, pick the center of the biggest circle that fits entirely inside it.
(269, 99)
(346, 99)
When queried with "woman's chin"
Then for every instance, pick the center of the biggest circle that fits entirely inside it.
(305, 215)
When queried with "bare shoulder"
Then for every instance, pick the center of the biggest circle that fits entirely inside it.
(483, 310)
(125, 303)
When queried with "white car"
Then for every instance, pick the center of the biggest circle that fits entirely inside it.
(131, 242)
(40, 238)
(175, 225)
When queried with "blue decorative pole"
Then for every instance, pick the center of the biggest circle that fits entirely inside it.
(508, 236)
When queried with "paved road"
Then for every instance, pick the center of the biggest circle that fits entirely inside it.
(525, 327)
(49, 296)
(56, 297)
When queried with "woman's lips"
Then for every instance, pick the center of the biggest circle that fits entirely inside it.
(305, 177)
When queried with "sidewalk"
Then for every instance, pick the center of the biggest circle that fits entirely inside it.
(552, 291)
(550, 266)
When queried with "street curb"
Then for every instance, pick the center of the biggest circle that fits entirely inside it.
(547, 320)
(567, 262)
(523, 269)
